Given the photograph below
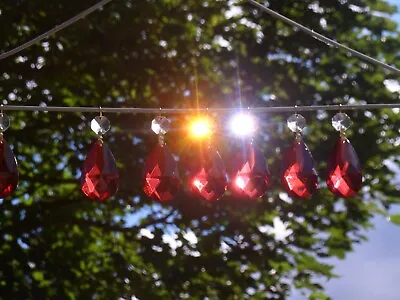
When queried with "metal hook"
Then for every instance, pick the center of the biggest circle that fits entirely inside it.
(101, 112)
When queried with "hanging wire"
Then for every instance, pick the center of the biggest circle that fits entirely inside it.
(324, 39)
(140, 110)
(55, 29)
(271, 12)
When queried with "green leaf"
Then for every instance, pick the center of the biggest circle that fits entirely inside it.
(318, 296)
(38, 275)
(395, 219)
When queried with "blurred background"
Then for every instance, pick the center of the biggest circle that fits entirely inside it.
(57, 244)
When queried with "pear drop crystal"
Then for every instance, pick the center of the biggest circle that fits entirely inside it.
(100, 125)
(299, 177)
(8, 170)
(161, 180)
(250, 177)
(209, 177)
(344, 170)
(100, 178)
(296, 123)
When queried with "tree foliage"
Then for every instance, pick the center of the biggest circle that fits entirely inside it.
(55, 243)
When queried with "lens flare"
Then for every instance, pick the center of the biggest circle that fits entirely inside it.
(243, 124)
(201, 128)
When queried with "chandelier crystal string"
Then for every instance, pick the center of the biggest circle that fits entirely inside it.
(142, 110)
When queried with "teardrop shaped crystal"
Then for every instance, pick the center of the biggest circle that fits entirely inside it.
(341, 122)
(160, 125)
(100, 125)
(251, 176)
(296, 123)
(161, 180)
(4, 122)
(299, 177)
(8, 170)
(100, 178)
(344, 170)
(208, 174)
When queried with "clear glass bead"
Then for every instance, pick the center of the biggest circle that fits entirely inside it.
(341, 122)
(4, 122)
(160, 125)
(296, 123)
(100, 125)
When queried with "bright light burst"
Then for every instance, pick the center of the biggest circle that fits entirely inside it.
(201, 128)
(243, 124)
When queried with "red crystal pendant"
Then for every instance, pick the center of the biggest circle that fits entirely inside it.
(251, 175)
(209, 179)
(161, 175)
(100, 178)
(344, 170)
(299, 177)
(8, 170)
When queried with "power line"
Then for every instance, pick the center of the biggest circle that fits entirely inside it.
(325, 39)
(55, 29)
(140, 110)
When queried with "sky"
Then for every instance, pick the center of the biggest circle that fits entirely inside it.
(372, 271)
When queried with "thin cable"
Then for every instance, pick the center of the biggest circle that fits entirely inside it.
(324, 39)
(140, 110)
(55, 29)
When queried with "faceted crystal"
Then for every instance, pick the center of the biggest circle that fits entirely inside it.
(100, 178)
(341, 122)
(344, 170)
(251, 175)
(8, 170)
(4, 122)
(100, 125)
(160, 125)
(299, 177)
(209, 178)
(161, 180)
(296, 123)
